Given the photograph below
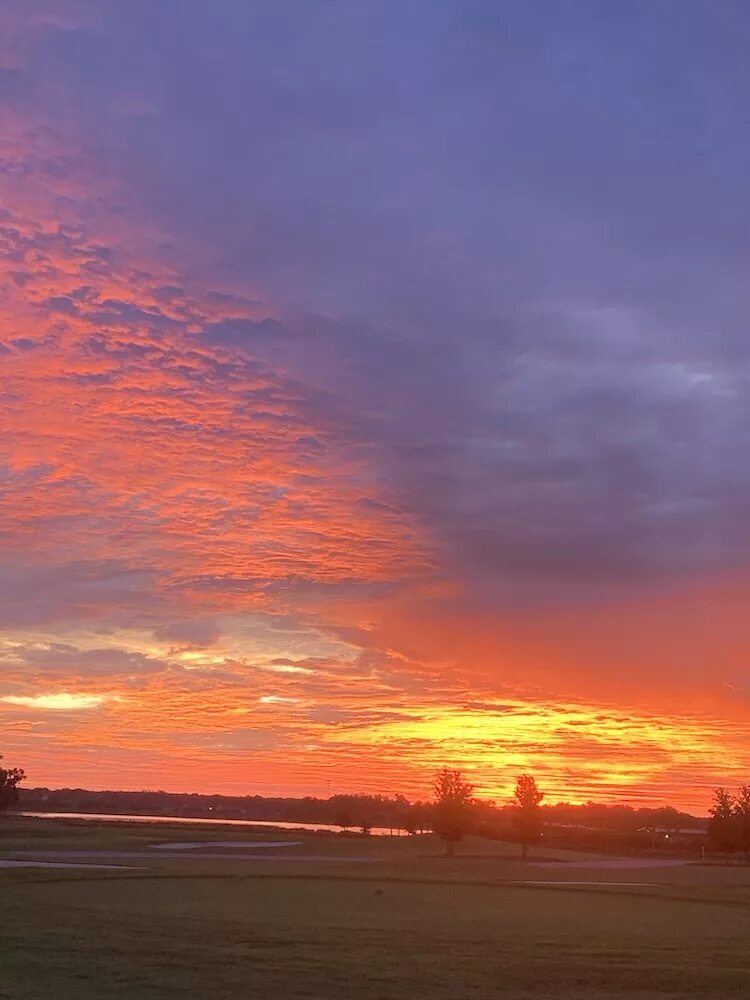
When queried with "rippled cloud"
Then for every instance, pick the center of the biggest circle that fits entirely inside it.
(361, 367)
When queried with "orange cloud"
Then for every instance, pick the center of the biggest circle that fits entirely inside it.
(197, 532)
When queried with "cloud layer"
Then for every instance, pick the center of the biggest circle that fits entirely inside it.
(364, 367)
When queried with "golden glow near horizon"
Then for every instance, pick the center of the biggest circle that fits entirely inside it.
(258, 739)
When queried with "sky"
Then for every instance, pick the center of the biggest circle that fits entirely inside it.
(374, 388)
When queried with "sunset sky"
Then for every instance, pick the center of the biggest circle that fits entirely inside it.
(374, 395)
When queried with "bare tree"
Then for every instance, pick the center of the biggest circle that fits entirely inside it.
(528, 817)
(451, 815)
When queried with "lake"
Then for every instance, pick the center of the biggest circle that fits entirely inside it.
(376, 831)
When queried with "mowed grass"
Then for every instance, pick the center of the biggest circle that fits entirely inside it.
(403, 926)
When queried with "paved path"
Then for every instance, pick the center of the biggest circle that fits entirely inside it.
(561, 881)
(153, 856)
(4, 863)
(619, 863)
(234, 844)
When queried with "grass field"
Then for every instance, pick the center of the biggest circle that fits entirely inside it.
(360, 918)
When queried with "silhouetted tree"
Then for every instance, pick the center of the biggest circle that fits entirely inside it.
(416, 818)
(401, 812)
(722, 826)
(527, 818)
(344, 819)
(451, 816)
(742, 820)
(10, 779)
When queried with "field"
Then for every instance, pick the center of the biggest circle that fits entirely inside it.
(329, 917)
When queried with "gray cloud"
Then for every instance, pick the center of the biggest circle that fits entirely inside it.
(66, 660)
(198, 632)
(94, 590)
(509, 250)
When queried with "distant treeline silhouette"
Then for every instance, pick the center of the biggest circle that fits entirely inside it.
(581, 823)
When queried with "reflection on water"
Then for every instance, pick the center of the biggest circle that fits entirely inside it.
(376, 831)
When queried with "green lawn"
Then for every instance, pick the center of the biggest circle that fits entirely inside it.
(403, 926)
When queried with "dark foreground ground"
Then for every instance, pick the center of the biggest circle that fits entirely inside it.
(331, 917)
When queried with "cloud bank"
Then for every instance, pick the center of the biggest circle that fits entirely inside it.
(361, 367)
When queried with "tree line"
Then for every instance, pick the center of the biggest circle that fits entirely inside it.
(453, 812)
(587, 823)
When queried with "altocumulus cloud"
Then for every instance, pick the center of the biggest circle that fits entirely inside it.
(421, 339)
(61, 702)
